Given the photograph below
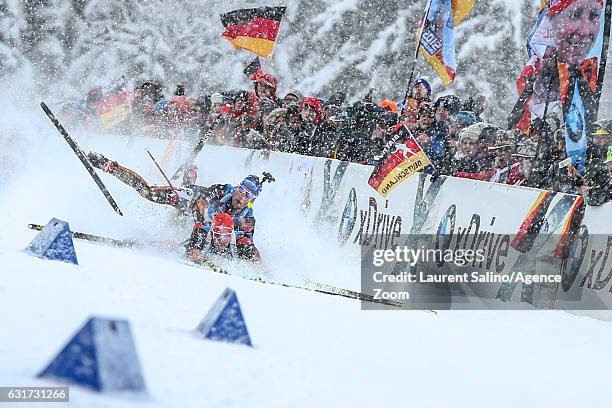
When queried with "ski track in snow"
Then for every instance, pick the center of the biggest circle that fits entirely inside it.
(310, 349)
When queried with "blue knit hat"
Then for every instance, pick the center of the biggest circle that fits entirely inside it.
(424, 81)
(252, 184)
(464, 118)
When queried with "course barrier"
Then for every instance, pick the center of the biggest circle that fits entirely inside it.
(517, 227)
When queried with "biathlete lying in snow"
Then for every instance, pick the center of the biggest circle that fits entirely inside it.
(203, 203)
(220, 241)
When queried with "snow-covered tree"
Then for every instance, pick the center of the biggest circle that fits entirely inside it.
(12, 24)
(323, 46)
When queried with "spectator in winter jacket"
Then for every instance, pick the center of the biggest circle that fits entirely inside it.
(595, 184)
(486, 140)
(445, 107)
(311, 115)
(466, 156)
(372, 148)
(440, 153)
(525, 153)
(145, 97)
(233, 118)
(544, 133)
(327, 134)
(596, 188)
(458, 121)
(337, 99)
(388, 104)
(251, 134)
(356, 131)
(293, 96)
(598, 143)
(561, 175)
(424, 120)
(506, 169)
(265, 88)
(420, 93)
(276, 131)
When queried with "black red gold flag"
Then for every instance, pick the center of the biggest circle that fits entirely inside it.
(254, 30)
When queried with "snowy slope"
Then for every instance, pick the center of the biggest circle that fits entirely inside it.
(310, 349)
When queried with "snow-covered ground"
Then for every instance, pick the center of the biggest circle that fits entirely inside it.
(310, 349)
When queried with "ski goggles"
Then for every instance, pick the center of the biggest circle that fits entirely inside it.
(248, 194)
(222, 232)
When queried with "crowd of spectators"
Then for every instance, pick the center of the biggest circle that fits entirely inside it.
(451, 132)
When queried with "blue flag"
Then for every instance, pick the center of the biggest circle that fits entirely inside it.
(576, 130)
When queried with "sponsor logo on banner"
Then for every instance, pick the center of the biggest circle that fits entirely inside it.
(406, 159)
(376, 229)
(348, 219)
(331, 186)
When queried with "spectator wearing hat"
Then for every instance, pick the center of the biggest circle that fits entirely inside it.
(310, 112)
(235, 119)
(421, 89)
(440, 153)
(545, 134)
(293, 96)
(327, 135)
(276, 131)
(445, 107)
(265, 86)
(424, 120)
(420, 93)
(506, 169)
(596, 188)
(385, 124)
(466, 156)
(525, 153)
(598, 142)
(458, 121)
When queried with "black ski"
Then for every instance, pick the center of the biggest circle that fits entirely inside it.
(120, 243)
(212, 266)
(192, 155)
(310, 285)
(77, 150)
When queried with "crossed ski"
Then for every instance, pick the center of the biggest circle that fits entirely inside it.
(212, 266)
(79, 153)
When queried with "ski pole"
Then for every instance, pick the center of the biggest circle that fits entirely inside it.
(161, 171)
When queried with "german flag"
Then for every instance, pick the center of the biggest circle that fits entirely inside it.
(254, 30)
(533, 222)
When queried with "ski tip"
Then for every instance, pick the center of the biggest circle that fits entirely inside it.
(119, 211)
